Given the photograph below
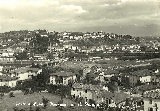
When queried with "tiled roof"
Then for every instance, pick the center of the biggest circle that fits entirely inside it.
(24, 69)
(63, 74)
(152, 94)
(109, 71)
(144, 72)
(9, 67)
(7, 78)
(147, 87)
(86, 86)
(120, 96)
(106, 94)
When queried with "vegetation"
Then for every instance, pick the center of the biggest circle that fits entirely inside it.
(11, 94)
(61, 90)
(45, 102)
(21, 56)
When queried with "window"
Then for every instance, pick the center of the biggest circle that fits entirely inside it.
(85, 91)
(150, 109)
(86, 99)
(150, 101)
(73, 89)
(109, 101)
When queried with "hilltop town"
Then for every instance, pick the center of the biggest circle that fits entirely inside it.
(97, 70)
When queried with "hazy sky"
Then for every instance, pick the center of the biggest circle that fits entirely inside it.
(135, 17)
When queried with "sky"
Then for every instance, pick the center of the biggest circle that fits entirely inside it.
(134, 17)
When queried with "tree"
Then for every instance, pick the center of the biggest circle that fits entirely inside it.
(11, 94)
(30, 106)
(45, 101)
(111, 86)
(125, 82)
(21, 56)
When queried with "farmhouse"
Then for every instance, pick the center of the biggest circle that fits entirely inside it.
(92, 92)
(151, 100)
(62, 78)
(8, 81)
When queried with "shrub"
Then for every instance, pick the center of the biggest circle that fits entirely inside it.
(38, 108)
(45, 101)
(15, 109)
(11, 94)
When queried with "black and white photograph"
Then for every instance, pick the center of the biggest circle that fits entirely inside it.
(79, 55)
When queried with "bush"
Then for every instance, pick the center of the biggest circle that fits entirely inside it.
(5, 89)
(45, 101)
(91, 101)
(11, 94)
(38, 108)
(15, 109)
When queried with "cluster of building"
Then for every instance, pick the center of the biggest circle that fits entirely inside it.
(144, 77)
(146, 80)
(9, 76)
(7, 55)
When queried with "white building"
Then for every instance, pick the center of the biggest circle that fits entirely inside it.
(25, 73)
(62, 78)
(143, 76)
(8, 81)
(92, 92)
(151, 100)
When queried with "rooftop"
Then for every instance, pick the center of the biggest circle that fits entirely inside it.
(152, 94)
(24, 69)
(7, 78)
(147, 87)
(144, 72)
(64, 74)
(86, 86)
(106, 94)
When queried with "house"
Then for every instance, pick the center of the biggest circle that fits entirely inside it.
(85, 50)
(155, 78)
(40, 56)
(62, 78)
(24, 73)
(140, 76)
(6, 69)
(86, 70)
(1, 68)
(100, 77)
(92, 92)
(147, 87)
(6, 52)
(7, 58)
(105, 76)
(8, 81)
(151, 100)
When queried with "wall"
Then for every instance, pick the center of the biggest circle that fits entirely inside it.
(23, 76)
(65, 79)
(145, 79)
(133, 80)
(4, 83)
(147, 105)
(82, 93)
(52, 80)
(1, 67)
(12, 83)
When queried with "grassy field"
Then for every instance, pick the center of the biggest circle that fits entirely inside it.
(7, 104)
